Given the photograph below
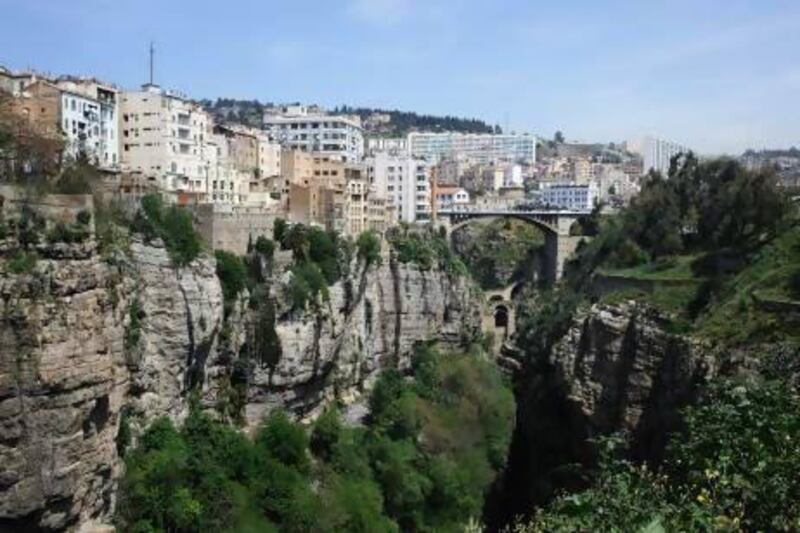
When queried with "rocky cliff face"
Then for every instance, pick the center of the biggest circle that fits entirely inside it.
(67, 372)
(615, 370)
(339, 351)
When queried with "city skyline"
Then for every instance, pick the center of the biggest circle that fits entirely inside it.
(717, 79)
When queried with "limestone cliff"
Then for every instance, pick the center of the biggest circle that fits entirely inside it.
(616, 369)
(338, 351)
(86, 342)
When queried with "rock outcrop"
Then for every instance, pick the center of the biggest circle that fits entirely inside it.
(74, 361)
(616, 369)
(339, 351)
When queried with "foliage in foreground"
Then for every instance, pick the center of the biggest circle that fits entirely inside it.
(734, 468)
(429, 450)
(425, 248)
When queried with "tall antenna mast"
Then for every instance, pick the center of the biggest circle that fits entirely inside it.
(152, 53)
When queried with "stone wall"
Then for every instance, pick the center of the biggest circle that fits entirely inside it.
(232, 227)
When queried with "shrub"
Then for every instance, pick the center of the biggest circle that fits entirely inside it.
(84, 217)
(265, 246)
(369, 247)
(794, 284)
(133, 330)
(279, 230)
(232, 274)
(172, 224)
(22, 262)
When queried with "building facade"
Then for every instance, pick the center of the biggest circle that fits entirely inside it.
(166, 139)
(479, 147)
(570, 196)
(312, 130)
(656, 153)
(404, 181)
(90, 120)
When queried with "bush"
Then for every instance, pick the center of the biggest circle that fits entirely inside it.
(369, 247)
(232, 275)
(22, 262)
(265, 246)
(84, 217)
(133, 330)
(279, 230)
(307, 284)
(172, 224)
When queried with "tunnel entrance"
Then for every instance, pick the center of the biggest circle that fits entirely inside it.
(501, 317)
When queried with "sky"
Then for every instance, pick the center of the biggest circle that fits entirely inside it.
(718, 76)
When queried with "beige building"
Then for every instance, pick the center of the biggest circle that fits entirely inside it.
(166, 139)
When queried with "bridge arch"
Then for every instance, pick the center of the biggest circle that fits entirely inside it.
(559, 244)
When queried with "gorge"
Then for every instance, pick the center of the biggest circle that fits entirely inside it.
(111, 341)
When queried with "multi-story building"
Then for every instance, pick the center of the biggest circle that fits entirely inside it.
(570, 196)
(480, 147)
(451, 198)
(90, 120)
(386, 144)
(656, 153)
(355, 207)
(165, 139)
(313, 130)
(403, 179)
(381, 213)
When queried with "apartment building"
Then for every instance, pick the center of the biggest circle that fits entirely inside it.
(570, 196)
(451, 198)
(479, 147)
(381, 213)
(165, 138)
(312, 130)
(656, 153)
(403, 179)
(90, 120)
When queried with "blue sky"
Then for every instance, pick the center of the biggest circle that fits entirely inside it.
(717, 75)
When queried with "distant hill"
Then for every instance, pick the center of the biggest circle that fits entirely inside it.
(400, 123)
(383, 122)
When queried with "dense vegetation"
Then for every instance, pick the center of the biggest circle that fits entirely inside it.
(320, 259)
(425, 248)
(403, 122)
(499, 252)
(429, 450)
(172, 224)
(733, 468)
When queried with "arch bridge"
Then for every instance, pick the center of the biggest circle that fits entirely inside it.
(559, 245)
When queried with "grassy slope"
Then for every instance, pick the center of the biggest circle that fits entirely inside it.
(733, 316)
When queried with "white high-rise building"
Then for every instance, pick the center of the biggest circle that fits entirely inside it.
(656, 153)
(89, 116)
(479, 147)
(313, 130)
(404, 180)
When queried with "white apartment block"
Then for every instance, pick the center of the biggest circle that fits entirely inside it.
(656, 153)
(480, 147)
(570, 196)
(386, 144)
(90, 121)
(165, 138)
(312, 130)
(224, 183)
(451, 198)
(403, 179)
